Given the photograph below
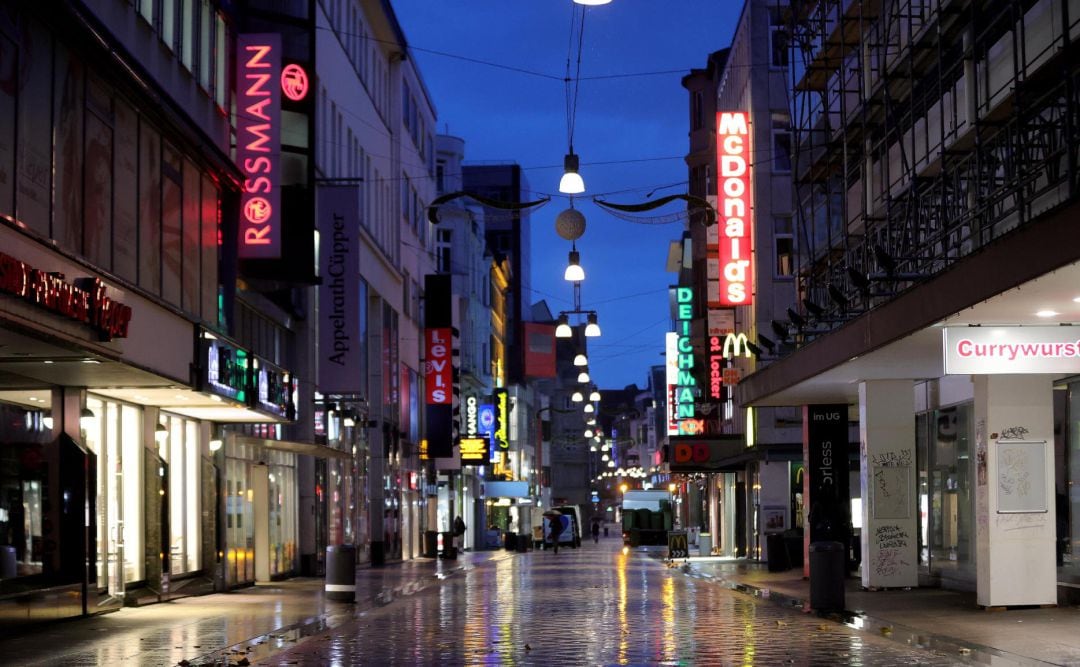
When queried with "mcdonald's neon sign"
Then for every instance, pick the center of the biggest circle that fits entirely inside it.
(736, 344)
(735, 208)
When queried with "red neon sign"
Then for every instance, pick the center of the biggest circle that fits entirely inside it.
(736, 216)
(258, 144)
(294, 82)
(438, 373)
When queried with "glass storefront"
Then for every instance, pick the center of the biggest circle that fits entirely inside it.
(114, 435)
(246, 465)
(25, 438)
(180, 451)
(946, 529)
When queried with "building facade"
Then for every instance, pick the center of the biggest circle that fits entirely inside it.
(917, 182)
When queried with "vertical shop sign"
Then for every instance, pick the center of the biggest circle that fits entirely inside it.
(735, 208)
(502, 419)
(438, 372)
(825, 447)
(340, 350)
(258, 143)
(685, 384)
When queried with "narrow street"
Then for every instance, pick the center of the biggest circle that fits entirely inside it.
(592, 606)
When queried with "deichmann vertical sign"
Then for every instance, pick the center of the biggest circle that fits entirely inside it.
(258, 143)
(340, 364)
(994, 350)
(734, 203)
(685, 384)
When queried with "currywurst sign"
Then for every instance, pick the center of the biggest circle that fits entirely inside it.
(998, 350)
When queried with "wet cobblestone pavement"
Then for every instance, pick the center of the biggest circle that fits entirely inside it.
(594, 606)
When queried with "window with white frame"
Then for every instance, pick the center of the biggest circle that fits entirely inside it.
(784, 243)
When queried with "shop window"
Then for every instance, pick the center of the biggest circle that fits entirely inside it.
(7, 139)
(171, 224)
(149, 209)
(35, 130)
(24, 484)
(126, 193)
(781, 151)
(68, 136)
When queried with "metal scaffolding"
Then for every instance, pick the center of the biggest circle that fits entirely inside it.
(923, 130)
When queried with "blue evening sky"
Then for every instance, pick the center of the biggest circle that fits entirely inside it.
(508, 115)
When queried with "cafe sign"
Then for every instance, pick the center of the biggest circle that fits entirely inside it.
(991, 350)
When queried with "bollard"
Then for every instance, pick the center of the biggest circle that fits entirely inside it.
(341, 573)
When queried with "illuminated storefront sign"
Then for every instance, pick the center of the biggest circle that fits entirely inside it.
(502, 419)
(671, 361)
(736, 344)
(258, 143)
(83, 300)
(472, 410)
(734, 204)
(227, 369)
(994, 350)
(438, 373)
(685, 385)
(274, 390)
(294, 82)
(716, 369)
(474, 451)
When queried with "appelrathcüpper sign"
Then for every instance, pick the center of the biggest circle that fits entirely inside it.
(1016, 350)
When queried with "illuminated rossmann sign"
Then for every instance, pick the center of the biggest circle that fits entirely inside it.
(294, 82)
(258, 143)
(734, 204)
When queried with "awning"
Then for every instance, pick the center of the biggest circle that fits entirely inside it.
(307, 448)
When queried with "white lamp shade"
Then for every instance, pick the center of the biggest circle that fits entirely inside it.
(588, 433)
(563, 330)
(581, 360)
(592, 3)
(592, 329)
(583, 377)
(595, 396)
(577, 397)
(571, 183)
(589, 408)
(574, 272)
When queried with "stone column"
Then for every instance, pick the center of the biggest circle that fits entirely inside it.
(1014, 490)
(887, 475)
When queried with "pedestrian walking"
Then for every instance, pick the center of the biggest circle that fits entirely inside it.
(596, 532)
(554, 530)
(459, 532)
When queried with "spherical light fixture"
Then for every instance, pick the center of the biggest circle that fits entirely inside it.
(576, 397)
(588, 433)
(594, 396)
(583, 377)
(581, 360)
(589, 408)
(570, 224)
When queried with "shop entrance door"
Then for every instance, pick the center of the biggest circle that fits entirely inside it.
(260, 492)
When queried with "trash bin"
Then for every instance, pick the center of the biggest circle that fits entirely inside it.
(378, 553)
(605, 531)
(449, 550)
(509, 541)
(704, 544)
(776, 552)
(522, 543)
(431, 544)
(828, 562)
(341, 573)
(8, 568)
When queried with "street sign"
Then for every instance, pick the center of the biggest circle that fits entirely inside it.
(677, 545)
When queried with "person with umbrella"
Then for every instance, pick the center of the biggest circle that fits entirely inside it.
(554, 527)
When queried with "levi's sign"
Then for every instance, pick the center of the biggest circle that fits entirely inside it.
(994, 350)
(734, 203)
(258, 143)
(437, 366)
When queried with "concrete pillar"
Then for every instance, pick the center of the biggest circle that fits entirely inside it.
(1014, 492)
(887, 477)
